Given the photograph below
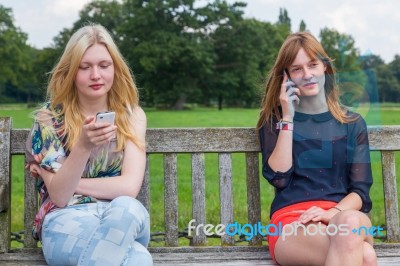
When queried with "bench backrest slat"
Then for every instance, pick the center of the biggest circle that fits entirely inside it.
(144, 193)
(390, 195)
(18, 139)
(384, 138)
(225, 194)
(30, 207)
(189, 140)
(163, 140)
(199, 197)
(5, 183)
(171, 199)
(253, 193)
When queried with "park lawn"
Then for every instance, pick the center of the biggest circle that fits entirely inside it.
(205, 117)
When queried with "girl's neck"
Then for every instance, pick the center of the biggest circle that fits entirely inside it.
(92, 107)
(312, 105)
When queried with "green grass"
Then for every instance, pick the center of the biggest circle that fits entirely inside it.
(206, 117)
(202, 117)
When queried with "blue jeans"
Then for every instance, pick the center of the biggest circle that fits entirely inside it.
(101, 233)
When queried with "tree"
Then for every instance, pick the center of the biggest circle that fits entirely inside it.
(223, 26)
(388, 85)
(42, 64)
(302, 26)
(371, 61)
(245, 50)
(351, 78)
(104, 12)
(370, 64)
(165, 46)
(284, 19)
(340, 47)
(283, 25)
(395, 67)
(388, 80)
(16, 55)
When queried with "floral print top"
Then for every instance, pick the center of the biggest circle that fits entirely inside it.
(45, 140)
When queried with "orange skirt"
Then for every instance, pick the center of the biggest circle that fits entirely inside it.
(288, 215)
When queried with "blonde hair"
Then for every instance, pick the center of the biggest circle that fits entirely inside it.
(61, 91)
(286, 56)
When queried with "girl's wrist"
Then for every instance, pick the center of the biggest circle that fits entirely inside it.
(338, 209)
(284, 125)
(80, 147)
(287, 119)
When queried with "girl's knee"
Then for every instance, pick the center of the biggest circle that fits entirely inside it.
(369, 255)
(349, 217)
(353, 220)
(123, 201)
(128, 209)
(130, 204)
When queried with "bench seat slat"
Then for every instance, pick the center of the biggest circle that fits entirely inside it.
(388, 255)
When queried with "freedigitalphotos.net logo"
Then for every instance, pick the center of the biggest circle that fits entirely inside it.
(251, 230)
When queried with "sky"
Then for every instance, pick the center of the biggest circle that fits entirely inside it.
(374, 25)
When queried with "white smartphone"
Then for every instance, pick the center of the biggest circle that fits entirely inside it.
(108, 117)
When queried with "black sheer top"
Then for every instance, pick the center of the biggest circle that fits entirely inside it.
(330, 160)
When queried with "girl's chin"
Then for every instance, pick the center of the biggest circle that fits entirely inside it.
(313, 91)
(309, 94)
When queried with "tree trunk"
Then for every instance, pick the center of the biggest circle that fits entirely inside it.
(220, 99)
(179, 103)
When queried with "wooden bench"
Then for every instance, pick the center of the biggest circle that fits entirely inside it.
(197, 142)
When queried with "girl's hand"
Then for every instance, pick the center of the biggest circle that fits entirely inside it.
(38, 159)
(95, 134)
(289, 94)
(38, 171)
(316, 214)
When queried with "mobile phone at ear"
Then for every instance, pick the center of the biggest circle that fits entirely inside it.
(287, 73)
(289, 80)
(108, 117)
